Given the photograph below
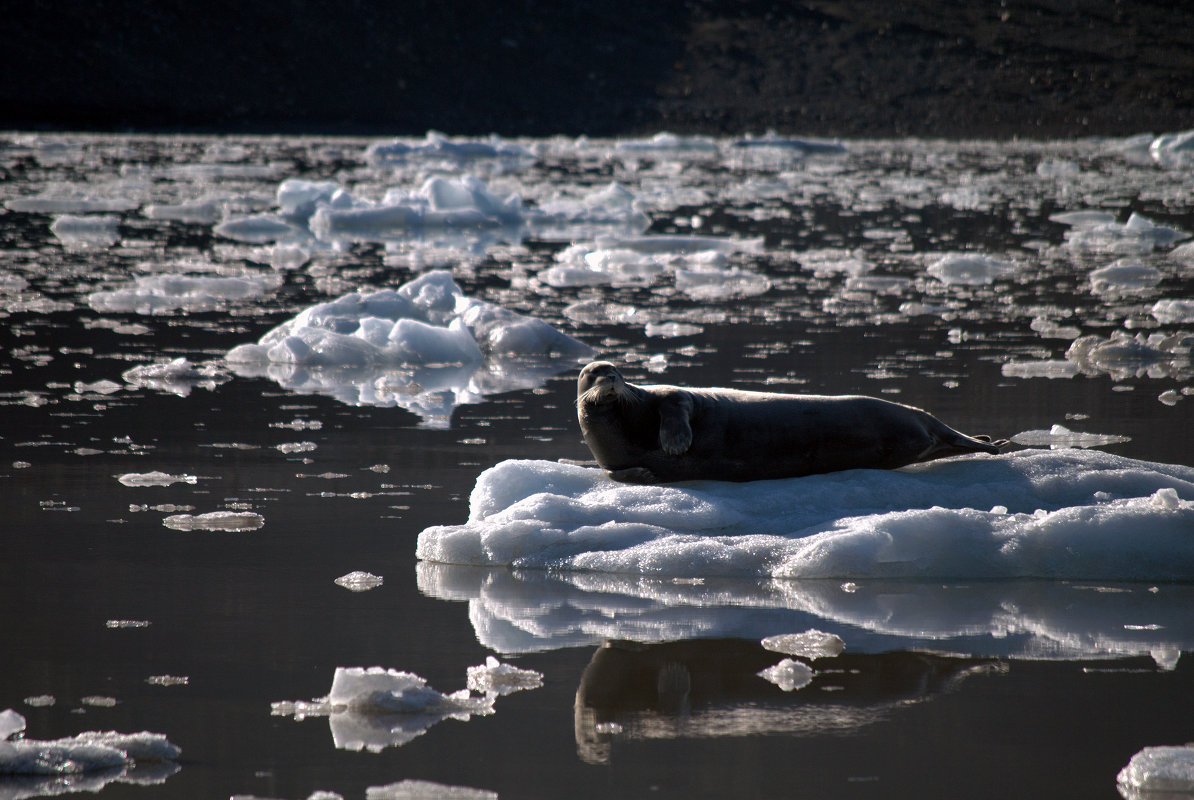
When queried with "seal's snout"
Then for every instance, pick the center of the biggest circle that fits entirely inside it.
(598, 382)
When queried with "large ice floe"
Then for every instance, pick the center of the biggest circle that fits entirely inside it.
(1158, 772)
(85, 762)
(425, 347)
(372, 709)
(1070, 514)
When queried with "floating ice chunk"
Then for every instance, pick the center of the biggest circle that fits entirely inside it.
(613, 206)
(926, 520)
(215, 521)
(1136, 236)
(494, 677)
(1173, 149)
(202, 211)
(155, 478)
(664, 143)
(829, 262)
(640, 260)
(1158, 769)
(179, 376)
(260, 229)
(671, 330)
(1083, 219)
(86, 752)
(1124, 276)
(377, 708)
(69, 202)
(970, 269)
(86, 231)
(812, 644)
(426, 790)
(97, 387)
(788, 674)
(1060, 437)
(438, 146)
(1169, 312)
(161, 294)
(1124, 356)
(1055, 368)
(359, 581)
(298, 199)
(719, 284)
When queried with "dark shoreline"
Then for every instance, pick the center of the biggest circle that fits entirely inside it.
(841, 68)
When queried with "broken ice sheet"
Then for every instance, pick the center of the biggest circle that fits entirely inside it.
(426, 790)
(215, 521)
(178, 377)
(1059, 437)
(372, 709)
(155, 478)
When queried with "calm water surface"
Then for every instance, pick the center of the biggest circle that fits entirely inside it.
(650, 686)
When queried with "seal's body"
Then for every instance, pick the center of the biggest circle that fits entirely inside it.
(661, 434)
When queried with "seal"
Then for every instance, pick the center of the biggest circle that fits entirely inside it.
(663, 434)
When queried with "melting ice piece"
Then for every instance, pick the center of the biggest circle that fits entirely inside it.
(494, 677)
(438, 146)
(788, 674)
(1059, 437)
(178, 377)
(967, 517)
(800, 145)
(86, 231)
(161, 294)
(1124, 276)
(155, 478)
(1169, 312)
(1124, 356)
(970, 269)
(69, 203)
(1158, 769)
(1049, 368)
(664, 144)
(1136, 236)
(812, 644)
(261, 229)
(359, 581)
(215, 521)
(426, 790)
(425, 347)
(641, 260)
(89, 751)
(377, 708)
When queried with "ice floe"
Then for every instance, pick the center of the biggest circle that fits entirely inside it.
(641, 260)
(85, 762)
(425, 347)
(1158, 772)
(374, 708)
(788, 674)
(438, 147)
(86, 231)
(359, 581)
(1124, 276)
(494, 677)
(1173, 311)
(228, 521)
(812, 644)
(970, 269)
(426, 790)
(1122, 355)
(1057, 514)
(1060, 437)
(178, 376)
(162, 294)
(1173, 149)
(1094, 232)
(155, 478)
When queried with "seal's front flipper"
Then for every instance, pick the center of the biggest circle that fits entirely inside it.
(632, 475)
(675, 432)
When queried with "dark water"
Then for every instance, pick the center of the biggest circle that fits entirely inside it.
(253, 617)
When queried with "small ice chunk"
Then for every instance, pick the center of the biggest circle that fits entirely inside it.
(1169, 312)
(970, 269)
(98, 387)
(788, 674)
(1173, 149)
(812, 644)
(1124, 276)
(160, 294)
(179, 376)
(215, 521)
(426, 790)
(359, 581)
(10, 723)
(86, 752)
(155, 478)
(1159, 769)
(1059, 437)
(86, 231)
(1169, 397)
(168, 680)
(494, 677)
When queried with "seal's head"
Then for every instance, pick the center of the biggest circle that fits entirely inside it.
(601, 383)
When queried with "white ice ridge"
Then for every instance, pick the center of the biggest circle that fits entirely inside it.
(330, 213)
(1165, 770)
(1052, 514)
(85, 752)
(376, 708)
(425, 347)
(522, 611)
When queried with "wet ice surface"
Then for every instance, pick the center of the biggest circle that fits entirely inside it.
(171, 511)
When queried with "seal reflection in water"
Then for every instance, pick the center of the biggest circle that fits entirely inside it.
(661, 434)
